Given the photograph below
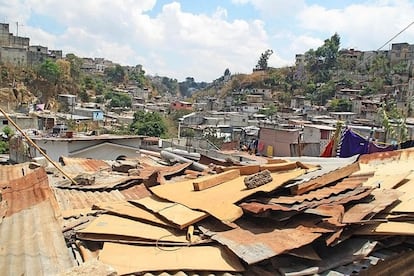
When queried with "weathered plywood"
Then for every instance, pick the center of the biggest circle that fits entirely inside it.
(113, 225)
(125, 208)
(219, 200)
(176, 213)
(213, 180)
(211, 258)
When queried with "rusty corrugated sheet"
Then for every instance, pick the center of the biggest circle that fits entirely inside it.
(255, 243)
(327, 165)
(11, 172)
(77, 199)
(103, 181)
(31, 239)
(135, 192)
(382, 199)
(342, 198)
(388, 156)
(345, 253)
(26, 191)
(82, 165)
(319, 193)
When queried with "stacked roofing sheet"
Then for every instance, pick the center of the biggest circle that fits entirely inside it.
(313, 216)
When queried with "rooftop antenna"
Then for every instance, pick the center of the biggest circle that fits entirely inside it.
(17, 28)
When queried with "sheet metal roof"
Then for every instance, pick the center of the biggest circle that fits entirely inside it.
(327, 165)
(31, 239)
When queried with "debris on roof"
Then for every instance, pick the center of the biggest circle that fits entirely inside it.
(167, 214)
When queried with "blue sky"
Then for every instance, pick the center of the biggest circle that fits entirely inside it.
(202, 38)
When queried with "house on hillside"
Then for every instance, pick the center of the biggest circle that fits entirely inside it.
(181, 105)
(315, 138)
(275, 140)
(24, 121)
(102, 147)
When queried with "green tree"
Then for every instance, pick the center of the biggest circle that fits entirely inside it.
(49, 71)
(263, 60)
(84, 96)
(269, 111)
(75, 66)
(340, 105)
(393, 121)
(115, 74)
(325, 58)
(4, 144)
(118, 99)
(148, 123)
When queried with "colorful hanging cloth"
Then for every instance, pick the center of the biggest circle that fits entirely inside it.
(372, 147)
(352, 144)
(327, 152)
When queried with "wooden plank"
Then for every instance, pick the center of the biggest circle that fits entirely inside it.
(176, 213)
(325, 179)
(386, 181)
(214, 180)
(200, 258)
(275, 161)
(244, 170)
(279, 167)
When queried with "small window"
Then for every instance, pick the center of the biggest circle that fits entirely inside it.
(325, 134)
(5, 122)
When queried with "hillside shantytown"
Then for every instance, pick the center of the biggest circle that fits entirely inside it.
(302, 170)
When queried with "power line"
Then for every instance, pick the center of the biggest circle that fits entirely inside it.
(400, 32)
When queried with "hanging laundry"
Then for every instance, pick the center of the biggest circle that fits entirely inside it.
(373, 147)
(352, 144)
(327, 152)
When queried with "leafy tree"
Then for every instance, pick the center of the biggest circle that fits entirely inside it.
(115, 74)
(148, 123)
(49, 71)
(269, 111)
(8, 131)
(393, 121)
(264, 58)
(75, 66)
(84, 96)
(138, 77)
(340, 105)
(227, 72)
(4, 144)
(89, 82)
(325, 58)
(118, 99)
(99, 87)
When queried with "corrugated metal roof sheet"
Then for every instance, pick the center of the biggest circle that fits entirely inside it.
(26, 191)
(31, 239)
(254, 243)
(327, 165)
(76, 199)
(82, 165)
(102, 181)
(135, 192)
(11, 172)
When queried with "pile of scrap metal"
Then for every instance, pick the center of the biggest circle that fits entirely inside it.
(304, 216)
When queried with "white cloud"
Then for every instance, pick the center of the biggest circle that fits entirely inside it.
(364, 26)
(179, 44)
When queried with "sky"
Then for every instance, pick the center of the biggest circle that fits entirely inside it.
(201, 38)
